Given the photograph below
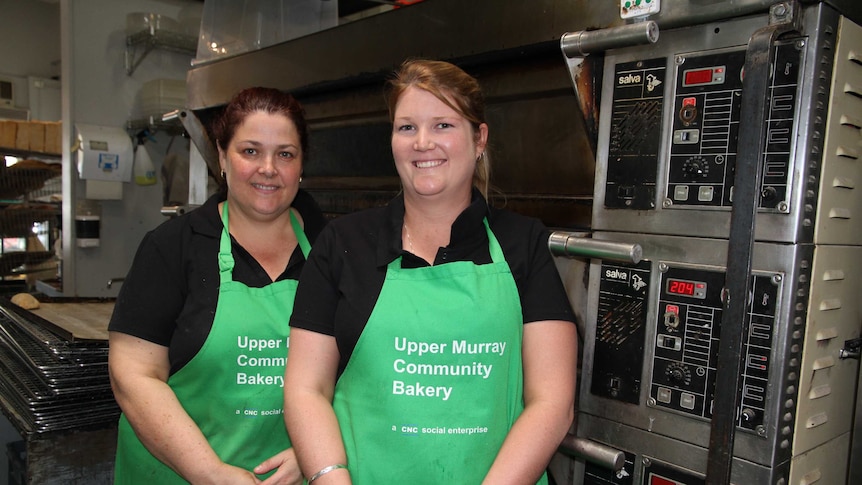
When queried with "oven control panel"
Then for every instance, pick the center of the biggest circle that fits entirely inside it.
(687, 338)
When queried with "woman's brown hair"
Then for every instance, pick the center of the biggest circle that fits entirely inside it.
(454, 87)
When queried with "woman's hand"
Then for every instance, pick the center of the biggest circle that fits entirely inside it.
(287, 472)
(139, 371)
(550, 351)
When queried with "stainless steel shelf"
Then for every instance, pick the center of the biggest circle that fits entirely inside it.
(142, 43)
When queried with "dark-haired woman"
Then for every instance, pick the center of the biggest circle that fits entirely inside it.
(199, 334)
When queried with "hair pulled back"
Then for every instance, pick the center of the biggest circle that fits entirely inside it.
(454, 87)
(251, 100)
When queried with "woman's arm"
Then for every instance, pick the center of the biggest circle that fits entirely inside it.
(308, 389)
(139, 373)
(549, 352)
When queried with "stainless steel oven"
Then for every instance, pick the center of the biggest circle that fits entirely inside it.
(683, 124)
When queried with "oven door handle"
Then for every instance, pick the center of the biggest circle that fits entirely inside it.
(594, 452)
(579, 244)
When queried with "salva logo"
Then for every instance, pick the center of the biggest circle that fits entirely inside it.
(629, 79)
(616, 274)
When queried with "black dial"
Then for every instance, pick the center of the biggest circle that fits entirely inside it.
(695, 168)
(678, 373)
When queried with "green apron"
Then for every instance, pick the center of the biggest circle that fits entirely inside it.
(233, 388)
(436, 380)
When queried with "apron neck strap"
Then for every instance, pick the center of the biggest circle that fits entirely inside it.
(493, 245)
(304, 245)
(225, 257)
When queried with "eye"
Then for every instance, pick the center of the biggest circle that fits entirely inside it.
(249, 151)
(405, 128)
(286, 154)
(444, 124)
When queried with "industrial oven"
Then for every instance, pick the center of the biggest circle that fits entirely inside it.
(728, 158)
(701, 183)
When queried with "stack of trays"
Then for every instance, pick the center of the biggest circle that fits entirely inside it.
(50, 381)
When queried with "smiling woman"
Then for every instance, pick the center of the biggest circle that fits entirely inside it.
(436, 324)
(435, 148)
(198, 376)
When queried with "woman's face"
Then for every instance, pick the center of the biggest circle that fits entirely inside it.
(435, 148)
(263, 164)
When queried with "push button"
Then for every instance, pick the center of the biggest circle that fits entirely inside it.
(663, 395)
(705, 193)
(686, 400)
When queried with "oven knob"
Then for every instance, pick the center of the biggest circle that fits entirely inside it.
(695, 167)
(769, 193)
(678, 373)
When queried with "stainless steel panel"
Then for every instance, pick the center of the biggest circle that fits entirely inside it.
(647, 450)
(366, 50)
(478, 31)
(788, 222)
(782, 261)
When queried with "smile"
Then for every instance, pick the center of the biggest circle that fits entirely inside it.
(265, 187)
(428, 163)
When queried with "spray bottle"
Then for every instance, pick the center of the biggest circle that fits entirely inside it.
(145, 173)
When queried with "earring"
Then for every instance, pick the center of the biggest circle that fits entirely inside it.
(223, 175)
(300, 179)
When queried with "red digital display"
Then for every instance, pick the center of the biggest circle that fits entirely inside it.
(694, 289)
(680, 287)
(698, 76)
(703, 76)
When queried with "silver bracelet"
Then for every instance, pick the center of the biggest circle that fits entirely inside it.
(324, 471)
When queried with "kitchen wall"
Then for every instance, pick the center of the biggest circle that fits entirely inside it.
(97, 90)
(83, 43)
(29, 44)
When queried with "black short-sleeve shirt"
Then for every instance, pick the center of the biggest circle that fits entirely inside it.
(170, 293)
(346, 269)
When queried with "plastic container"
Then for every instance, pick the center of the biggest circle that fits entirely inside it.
(230, 27)
(160, 96)
(88, 223)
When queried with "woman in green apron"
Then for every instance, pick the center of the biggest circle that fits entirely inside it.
(432, 339)
(199, 334)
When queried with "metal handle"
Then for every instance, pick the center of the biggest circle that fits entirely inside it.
(171, 115)
(176, 210)
(748, 176)
(578, 244)
(114, 280)
(591, 451)
(584, 42)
